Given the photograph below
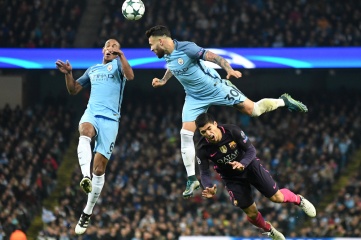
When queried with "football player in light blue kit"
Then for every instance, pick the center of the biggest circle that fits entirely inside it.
(100, 119)
(204, 87)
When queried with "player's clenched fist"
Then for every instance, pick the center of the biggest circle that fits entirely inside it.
(157, 82)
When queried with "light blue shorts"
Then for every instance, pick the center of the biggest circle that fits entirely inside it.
(106, 132)
(224, 94)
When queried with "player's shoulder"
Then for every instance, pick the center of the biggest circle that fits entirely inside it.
(183, 45)
(201, 144)
(229, 127)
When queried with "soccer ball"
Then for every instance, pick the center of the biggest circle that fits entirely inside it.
(133, 9)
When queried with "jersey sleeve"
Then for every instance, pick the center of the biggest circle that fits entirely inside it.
(120, 68)
(192, 50)
(84, 80)
(204, 170)
(245, 145)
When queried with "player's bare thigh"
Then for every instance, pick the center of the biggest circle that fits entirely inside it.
(245, 107)
(87, 129)
(190, 126)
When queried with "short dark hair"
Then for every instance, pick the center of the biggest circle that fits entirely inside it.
(203, 119)
(158, 31)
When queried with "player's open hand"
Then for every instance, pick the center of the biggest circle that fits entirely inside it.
(233, 73)
(63, 67)
(158, 82)
(209, 191)
(117, 52)
(237, 165)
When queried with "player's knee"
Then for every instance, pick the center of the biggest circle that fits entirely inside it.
(87, 129)
(256, 111)
(184, 132)
(277, 197)
(186, 138)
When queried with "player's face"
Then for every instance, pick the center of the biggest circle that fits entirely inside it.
(211, 132)
(155, 44)
(110, 50)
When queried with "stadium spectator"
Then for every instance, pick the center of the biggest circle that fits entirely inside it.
(26, 137)
(242, 23)
(297, 164)
(39, 24)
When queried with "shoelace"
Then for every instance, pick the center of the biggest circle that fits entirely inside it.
(84, 220)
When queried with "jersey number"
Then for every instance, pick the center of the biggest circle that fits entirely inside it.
(233, 93)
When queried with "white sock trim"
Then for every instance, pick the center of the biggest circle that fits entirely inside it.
(93, 196)
(186, 132)
(84, 155)
(188, 151)
(266, 105)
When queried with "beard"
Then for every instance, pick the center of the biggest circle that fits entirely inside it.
(160, 53)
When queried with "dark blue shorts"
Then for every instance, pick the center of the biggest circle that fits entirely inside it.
(239, 188)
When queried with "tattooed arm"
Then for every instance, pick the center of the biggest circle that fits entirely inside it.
(212, 57)
(160, 82)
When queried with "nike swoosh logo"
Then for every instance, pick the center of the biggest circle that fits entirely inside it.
(212, 155)
(274, 187)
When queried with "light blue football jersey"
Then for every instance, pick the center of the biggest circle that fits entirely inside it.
(107, 83)
(187, 65)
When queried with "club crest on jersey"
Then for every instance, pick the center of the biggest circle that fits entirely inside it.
(180, 61)
(232, 145)
(223, 149)
(235, 202)
(110, 67)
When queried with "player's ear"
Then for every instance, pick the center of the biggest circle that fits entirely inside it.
(215, 123)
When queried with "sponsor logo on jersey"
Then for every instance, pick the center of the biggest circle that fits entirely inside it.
(232, 145)
(228, 158)
(180, 61)
(213, 154)
(223, 149)
(110, 67)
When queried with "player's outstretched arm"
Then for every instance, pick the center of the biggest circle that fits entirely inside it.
(212, 57)
(127, 69)
(209, 192)
(66, 68)
(160, 82)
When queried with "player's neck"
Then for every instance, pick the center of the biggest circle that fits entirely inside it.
(169, 48)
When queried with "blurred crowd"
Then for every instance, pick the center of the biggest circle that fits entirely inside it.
(32, 142)
(209, 23)
(142, 196)
(241, 23)
(39, 24)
